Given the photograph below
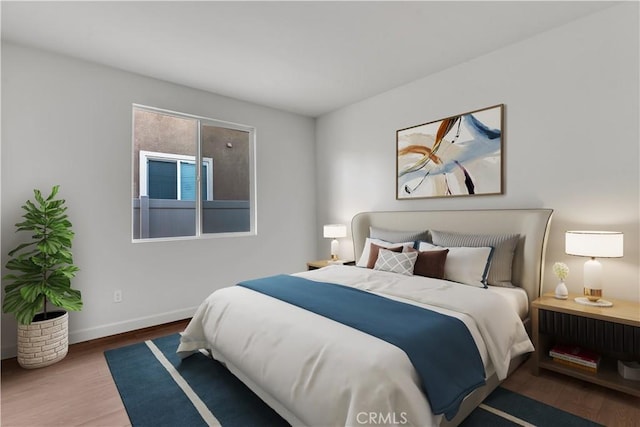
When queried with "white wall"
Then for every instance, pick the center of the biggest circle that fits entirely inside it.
(571, 138)
(68, 122)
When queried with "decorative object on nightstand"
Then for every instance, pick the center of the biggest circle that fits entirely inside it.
(561, 271)
(601, 244)
(575, 357)
(629, 370)
(335, 231)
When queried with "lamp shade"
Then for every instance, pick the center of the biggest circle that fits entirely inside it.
(595, 244)
(333, 231)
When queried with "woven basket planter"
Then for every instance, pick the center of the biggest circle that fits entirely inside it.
(45, 342)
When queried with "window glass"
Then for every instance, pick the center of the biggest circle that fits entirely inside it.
(166, 149)
(187, 181)
(161, 179)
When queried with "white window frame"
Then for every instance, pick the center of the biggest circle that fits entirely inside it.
(145, 156)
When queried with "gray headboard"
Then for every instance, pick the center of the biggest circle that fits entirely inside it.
(531, 224)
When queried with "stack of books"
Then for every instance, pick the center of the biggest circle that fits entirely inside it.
(575, 357)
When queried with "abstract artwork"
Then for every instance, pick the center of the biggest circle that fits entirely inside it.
(456, 156)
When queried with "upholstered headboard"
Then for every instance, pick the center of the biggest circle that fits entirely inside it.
(531, 224)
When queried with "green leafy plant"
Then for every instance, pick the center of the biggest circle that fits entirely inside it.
(44, 266)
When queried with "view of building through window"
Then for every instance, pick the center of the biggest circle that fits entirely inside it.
(172, 197)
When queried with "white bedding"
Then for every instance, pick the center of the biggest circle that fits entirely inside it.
(320, 372)
(517, 298)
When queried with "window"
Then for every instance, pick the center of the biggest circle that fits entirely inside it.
(172, 196)
(173, 177)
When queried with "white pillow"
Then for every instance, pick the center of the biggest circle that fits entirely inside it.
(364, 258)
(396, 262)
(469, 266)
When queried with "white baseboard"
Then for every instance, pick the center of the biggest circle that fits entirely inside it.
(115, 328)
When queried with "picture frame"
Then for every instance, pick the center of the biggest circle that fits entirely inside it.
(460, 155)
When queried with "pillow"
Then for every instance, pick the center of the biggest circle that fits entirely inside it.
(364, 258)
(395, 236)
(374, 250)
(464, 265)
(402, 262)
(431, 264)
(504, 247)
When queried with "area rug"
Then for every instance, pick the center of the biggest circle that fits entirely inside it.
(159, 389)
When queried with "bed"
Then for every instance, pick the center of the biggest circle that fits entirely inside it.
(313, 369)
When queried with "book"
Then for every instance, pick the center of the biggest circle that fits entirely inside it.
(575, 355)
(571, 364)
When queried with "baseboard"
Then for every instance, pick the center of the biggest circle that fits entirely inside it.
(102, 331)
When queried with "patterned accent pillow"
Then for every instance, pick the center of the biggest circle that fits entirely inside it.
(374, 250)
(364, 257)
(504, 247)
(402, 262)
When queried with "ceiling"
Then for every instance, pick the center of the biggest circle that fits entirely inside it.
(305, 57)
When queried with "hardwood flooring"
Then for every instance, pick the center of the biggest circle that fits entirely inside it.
(79, 390)
(599, 404)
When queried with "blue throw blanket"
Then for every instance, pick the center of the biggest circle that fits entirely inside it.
(440, 347)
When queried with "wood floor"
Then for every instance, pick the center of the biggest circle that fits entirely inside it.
(79, 391)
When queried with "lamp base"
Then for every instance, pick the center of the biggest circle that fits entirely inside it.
(598, 303)
(335, 245)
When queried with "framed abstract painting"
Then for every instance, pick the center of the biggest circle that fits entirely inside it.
(457, 156)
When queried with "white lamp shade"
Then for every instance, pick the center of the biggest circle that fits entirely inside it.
(595, 244)
(333, 231)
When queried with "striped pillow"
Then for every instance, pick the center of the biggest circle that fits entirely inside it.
(502, 260)
(395, 236)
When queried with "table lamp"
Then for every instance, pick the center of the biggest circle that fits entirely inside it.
(334, 231)
(594, 244)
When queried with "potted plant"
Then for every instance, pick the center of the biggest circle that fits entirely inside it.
(42, 269)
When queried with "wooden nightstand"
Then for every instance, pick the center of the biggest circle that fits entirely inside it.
(313, 265)
(609, 331)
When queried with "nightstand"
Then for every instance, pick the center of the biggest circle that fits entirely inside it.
(313, 265)
(609, 331)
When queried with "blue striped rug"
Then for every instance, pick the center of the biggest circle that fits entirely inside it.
(158, 389)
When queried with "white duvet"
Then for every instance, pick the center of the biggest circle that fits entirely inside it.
(317, 372)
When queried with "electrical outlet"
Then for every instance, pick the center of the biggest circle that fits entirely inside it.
(117, 295)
